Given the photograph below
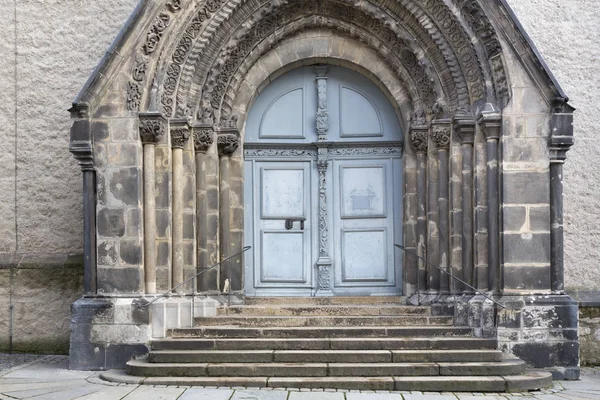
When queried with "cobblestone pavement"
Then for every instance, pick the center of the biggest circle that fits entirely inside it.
(48, 378)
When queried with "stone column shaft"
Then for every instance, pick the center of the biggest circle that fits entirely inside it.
(152, 129)
(441, 136)
(419, 137)
(465, 127)
(149, 219)
(561, 140)
(491, 123)
(180, 133)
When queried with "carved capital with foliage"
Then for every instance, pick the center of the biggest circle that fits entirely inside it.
(228, 138)
(441, 132)
(180, 133)
(152, 127)
(204, 136)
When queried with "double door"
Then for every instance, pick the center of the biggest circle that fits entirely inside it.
(340, 221)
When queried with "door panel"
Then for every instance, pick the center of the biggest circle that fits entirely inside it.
(283, 251)
(364, 226)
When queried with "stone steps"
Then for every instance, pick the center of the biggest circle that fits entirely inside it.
(331, 343)
(326, 310)
(321, 332)
(322, 356)
(325, 344)
(324, 321)
(325, 301)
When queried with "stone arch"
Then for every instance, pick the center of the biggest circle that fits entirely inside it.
(453, 52)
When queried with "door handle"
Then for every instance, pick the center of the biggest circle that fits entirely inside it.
(289, 223)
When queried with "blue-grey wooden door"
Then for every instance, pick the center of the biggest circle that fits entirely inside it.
(322, 215)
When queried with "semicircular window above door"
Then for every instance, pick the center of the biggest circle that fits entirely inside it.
(323, 187)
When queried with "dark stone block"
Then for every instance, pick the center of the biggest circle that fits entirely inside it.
(212, 225)
(526, 277)
(163, 194)
(88, 311)
(514, 218)
(207, 282)
(87, 356)
(120, 280)
(543, 355)
(539, 218)
(565, 374)
(101, 189)
(117, 355)
(527, 248)
(163, 253)
(163, 224)
(126, 185)
(107, 254)
(212, 199)
(131, 252)
(108, 110)
(140, 312)
(509, 319)
(526, 187)
(189, 251)
(189, 226)
(111, 222)
(551, 317)
(189, 191)
(80, 131)
(100, 131)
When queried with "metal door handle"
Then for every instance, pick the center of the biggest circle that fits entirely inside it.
(289, 223)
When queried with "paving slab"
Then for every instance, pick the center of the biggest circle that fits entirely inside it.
(205, 394)
(373, 396)
(260, 395)
(70, 394)
(109, 393)
(150, 393)
(315, 396)
(429, 397)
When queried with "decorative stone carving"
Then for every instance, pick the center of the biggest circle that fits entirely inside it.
(324, 278)
(365, 151)
(203, 138)
(139, 68)
(419, 133)
(152, 127)
(134, 96)
(161, 23)
(441, 135)
(322, 166)
(322, 114)
(228, 138)
(174, 6)
(180, 133)
(258, 153)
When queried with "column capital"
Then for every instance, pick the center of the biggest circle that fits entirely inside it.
(464, 126)
(180, 132)
(490, 120)
(203, 136)
(440, 132)
(80, 144)
(419, 135)
(228, 136)
(561, 132)
(152, 127)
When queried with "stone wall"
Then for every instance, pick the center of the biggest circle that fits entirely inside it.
(49, 50)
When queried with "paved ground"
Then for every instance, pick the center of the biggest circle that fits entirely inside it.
(48, 378)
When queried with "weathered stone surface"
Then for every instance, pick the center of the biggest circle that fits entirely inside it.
(589, 335)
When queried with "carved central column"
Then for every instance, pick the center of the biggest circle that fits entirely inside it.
(203, 137)
(152, 129)
(322, 113)
(441, 137)
(180, 133)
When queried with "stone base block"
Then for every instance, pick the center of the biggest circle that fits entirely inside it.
(108, 332)
(542, 331)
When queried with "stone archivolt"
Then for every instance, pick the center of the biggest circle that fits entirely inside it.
(429, 46)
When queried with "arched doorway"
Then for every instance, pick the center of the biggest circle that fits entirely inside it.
(323, 187)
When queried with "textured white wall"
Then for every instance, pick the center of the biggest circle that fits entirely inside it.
(49, 52)
(567, 33)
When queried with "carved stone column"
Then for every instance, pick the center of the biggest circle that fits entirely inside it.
(561, 140)
(324, 263)
(180, 133)
(419, 137)
(81, 148)
(228, 141)
(441, 132)
(465, 128)
(152, 129)
(490, 121)
(203, 140)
